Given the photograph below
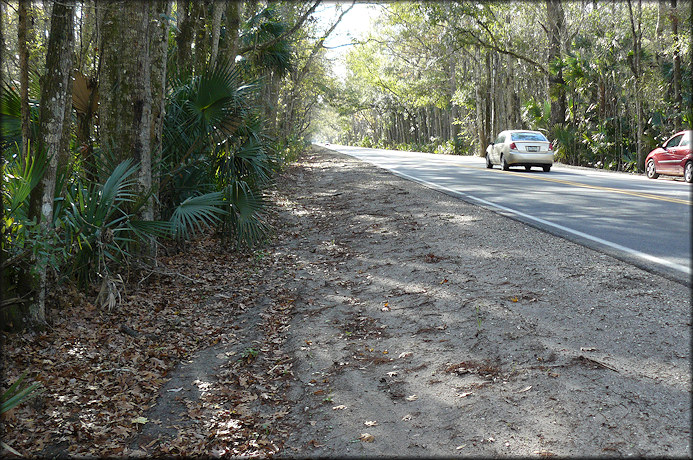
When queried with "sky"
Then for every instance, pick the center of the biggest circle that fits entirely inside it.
(355, 23)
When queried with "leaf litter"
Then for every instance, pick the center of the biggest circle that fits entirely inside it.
(105, 370)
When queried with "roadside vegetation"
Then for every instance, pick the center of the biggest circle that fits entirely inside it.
(607, 81)
(113, 149)
(129, 130)
(132, 131)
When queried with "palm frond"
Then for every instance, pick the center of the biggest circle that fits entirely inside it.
(21, 179)
(157, 228)
(196, 212)
(11, 117)
(247, 215)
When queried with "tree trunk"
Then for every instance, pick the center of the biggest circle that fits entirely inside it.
(556, 26)
(158, 52)
(184, 38)
(23, 49)
(233, 24)
(217, 12)
(2, 157)
(64, 153)
(635, 68)
(678, 100)
(454, 127)
(126, 98)
(201, 43)
(54, 97)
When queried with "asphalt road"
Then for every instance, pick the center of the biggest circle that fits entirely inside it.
(641, 221)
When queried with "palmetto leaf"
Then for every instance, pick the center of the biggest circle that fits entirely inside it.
(118, 186)
(213, 141)
(157, 228)
(11, 116)
(13, 396)
(21, 180)
(97, 220)
(247, 213)
(196, 212)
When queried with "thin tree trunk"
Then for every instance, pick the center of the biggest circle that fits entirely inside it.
(54, 97)
(24, 76)
(2, 157)
(217, 12)
(556, 26)
(678, 100)
(635, 67)
(454, 128)
(158, 50)
(201, 42)
(64, 154)
(184, 38)
(233, 24)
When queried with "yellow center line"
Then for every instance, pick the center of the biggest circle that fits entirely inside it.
(594, 187)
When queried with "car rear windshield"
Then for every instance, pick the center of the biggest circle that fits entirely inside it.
(528, 137)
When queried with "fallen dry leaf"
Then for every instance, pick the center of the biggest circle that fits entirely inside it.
(366, 437)
(340, 407)
(412, 398)
(370, 423)
(406, 418)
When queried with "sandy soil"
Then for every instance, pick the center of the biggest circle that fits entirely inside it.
(421, 325)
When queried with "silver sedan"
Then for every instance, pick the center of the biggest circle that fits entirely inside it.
(520, 148)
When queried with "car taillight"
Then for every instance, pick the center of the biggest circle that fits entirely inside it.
(550, 146)
(513, 146)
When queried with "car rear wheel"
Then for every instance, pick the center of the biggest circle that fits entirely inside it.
(504, 164)
(527, 168)
(489, 165)
(688, 172)
(651, 171)
(546, 168)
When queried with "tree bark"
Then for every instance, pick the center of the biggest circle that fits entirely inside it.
(184, 38)
(636, 69)
(199, 10)
(233, 24)
(217, 12)
(454, 128)
(158, 53)
(2, 157)
(677, 81)
(54, 97)
(125, 89)
(556, 27)
(23, 49)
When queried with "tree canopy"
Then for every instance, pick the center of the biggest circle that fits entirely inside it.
(605, 79)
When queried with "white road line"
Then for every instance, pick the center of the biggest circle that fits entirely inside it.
(632, 252)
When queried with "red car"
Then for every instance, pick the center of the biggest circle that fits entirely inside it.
(673, 158)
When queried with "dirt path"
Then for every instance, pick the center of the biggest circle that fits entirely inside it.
(421, 325)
